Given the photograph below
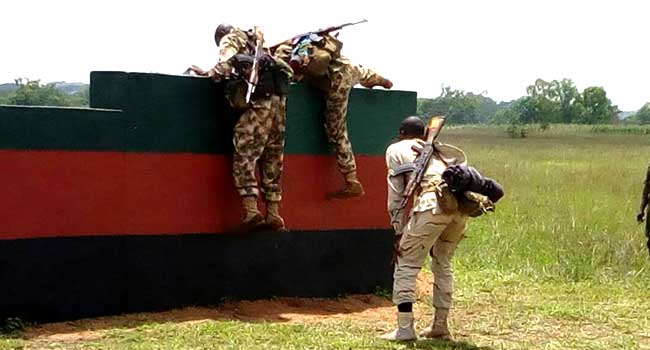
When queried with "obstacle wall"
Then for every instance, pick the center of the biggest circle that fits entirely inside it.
(126, 206)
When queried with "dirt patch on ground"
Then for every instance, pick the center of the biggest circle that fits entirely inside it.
(371, 309)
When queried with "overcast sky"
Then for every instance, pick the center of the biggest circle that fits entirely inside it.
(498, 47)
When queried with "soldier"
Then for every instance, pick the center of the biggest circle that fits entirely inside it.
(429, 229)
(447, 194)
(316, 59)
(258, 135)
(645, 200)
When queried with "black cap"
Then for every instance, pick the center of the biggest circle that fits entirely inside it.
(412, 126)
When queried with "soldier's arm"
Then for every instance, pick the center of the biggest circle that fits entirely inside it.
(645, 197)
(283, 53)
(229, 46)
(396, 184)
(369, 78)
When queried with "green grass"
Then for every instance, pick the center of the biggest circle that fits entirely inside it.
(569, 208)
(560, 265)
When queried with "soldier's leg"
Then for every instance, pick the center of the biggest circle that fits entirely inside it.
(369, 78)
(271, 163)
(442, 253)
(336, 128)
(336, 125)
(249, 144)
(420, 233)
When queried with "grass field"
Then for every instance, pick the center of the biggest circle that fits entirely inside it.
(560, 265)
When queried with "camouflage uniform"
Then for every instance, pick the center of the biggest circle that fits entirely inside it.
(237, 42)
(259, 132)
(429, 230)
(259, 136)
(341, 76)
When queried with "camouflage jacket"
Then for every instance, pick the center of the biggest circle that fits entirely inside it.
(237, 42)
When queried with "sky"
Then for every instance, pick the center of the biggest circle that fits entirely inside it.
(496, 47)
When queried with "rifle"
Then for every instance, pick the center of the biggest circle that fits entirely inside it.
(319, 32)
(421, 162)
(255, 76)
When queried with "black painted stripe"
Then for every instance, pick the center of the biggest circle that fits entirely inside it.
(53, 279)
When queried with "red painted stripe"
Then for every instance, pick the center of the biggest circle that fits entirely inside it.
(57, 193)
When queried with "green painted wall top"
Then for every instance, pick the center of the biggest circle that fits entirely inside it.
(142, 112)
(187, 114)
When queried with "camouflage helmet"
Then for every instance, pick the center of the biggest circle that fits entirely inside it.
(222, 30)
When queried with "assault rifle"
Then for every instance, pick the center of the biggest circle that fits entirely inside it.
(421, 161)
(255, 76)
(318, 32)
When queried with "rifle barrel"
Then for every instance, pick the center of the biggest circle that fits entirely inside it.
(320, 31)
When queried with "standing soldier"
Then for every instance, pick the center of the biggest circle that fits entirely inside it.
(317, 60)
(259, 133)
(645, 200)
(436, 223)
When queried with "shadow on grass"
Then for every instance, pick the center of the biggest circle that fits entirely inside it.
(441, 345)
(279, 310)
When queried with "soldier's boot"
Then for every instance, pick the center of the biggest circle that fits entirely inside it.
(438, 329)
(381, 81)
(273, 219)
(405, 330)
(252, 217)
(352, 189)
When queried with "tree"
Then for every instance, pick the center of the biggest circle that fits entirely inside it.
(560, 102)
(32, 93)
(597, 107)
(642, 116)
(525, 110)
(571, 108)
(545, 101)
(459, 107)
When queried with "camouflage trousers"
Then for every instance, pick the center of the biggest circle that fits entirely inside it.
(258, 138)
(336, 109)
(428, 232)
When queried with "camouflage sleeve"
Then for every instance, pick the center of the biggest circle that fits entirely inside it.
(367, 77)
(284, 67)
(229, 46)
(283, 52)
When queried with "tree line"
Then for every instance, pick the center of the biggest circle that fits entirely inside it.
(33, 93)
(545, 102)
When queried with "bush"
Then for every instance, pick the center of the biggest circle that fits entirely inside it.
(628, 129)
(12, 325)
(516, 130)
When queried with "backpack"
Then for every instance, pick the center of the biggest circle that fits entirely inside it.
(312, 54)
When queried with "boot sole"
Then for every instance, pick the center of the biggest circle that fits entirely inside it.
(251, 226)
